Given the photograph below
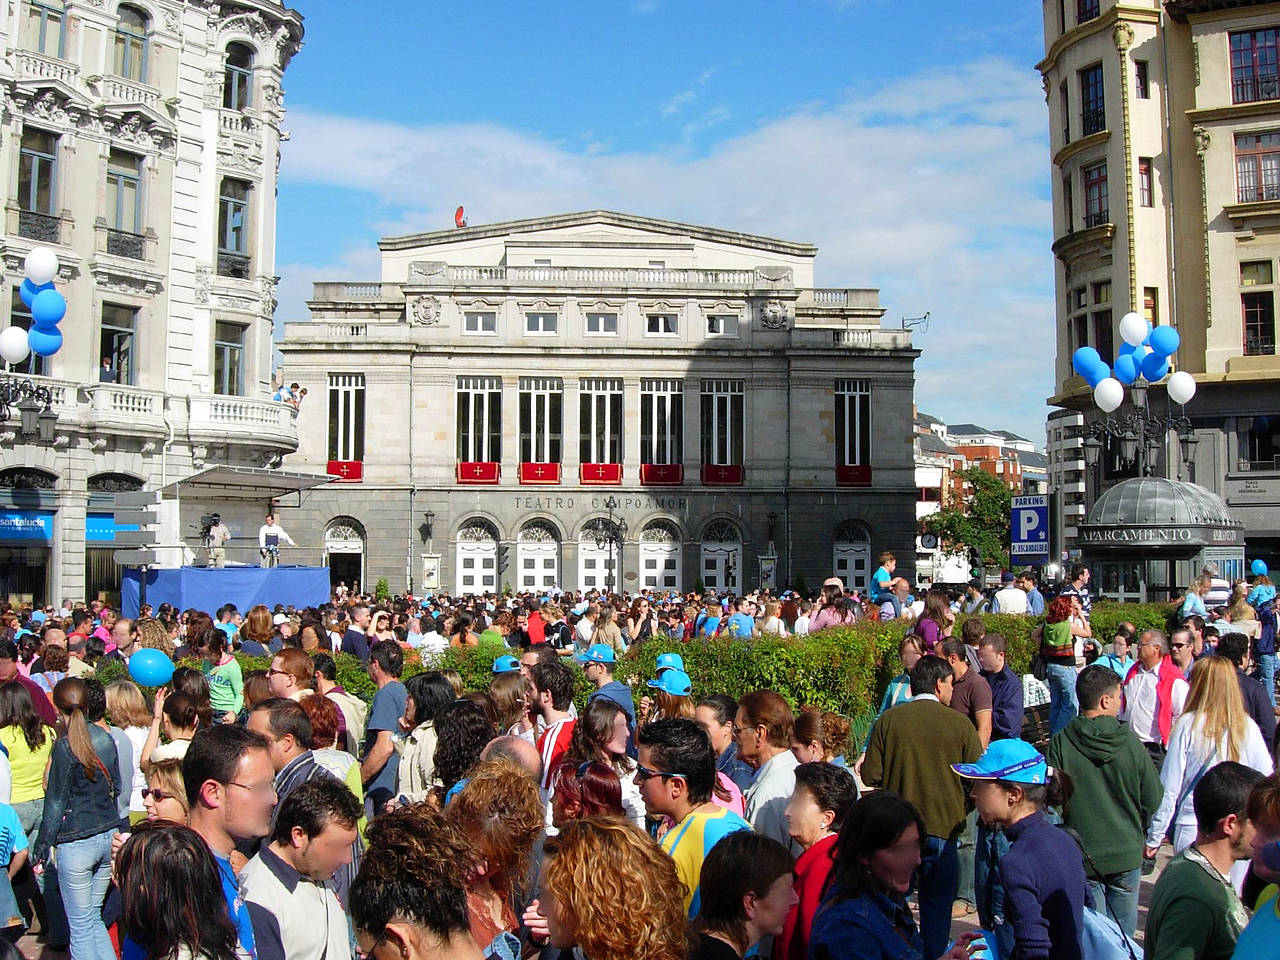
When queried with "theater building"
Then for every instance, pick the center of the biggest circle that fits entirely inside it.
(597, 399)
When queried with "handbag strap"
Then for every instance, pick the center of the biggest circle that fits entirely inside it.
(1092, 872)
(1186, 791)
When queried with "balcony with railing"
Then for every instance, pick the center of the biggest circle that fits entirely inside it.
(1097, 217)
(118, 90)
(1259, 345)
(1251, 88)
(40, 227)
(244, 419)
(122, 243)
(233, 265)
(37, 66)
(1093, 119)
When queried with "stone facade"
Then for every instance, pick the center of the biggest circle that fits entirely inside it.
(126, 130)
(1144, 106)
(592, 313)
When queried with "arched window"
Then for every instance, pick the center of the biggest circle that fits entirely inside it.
(477, 557)
(660, 566)
(851, 555)
(237, 83)
(538, 556)
(131, 44)
(721, 553)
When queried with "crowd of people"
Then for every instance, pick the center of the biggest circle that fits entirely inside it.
(274, 814)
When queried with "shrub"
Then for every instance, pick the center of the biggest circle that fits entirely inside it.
(381, 590)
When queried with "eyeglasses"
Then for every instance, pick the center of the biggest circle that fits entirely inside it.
(643, 773)
(273, 672)
(261, 788)
(1178, 646)
(156, 794)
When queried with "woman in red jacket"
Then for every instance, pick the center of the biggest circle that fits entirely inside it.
(824, 794)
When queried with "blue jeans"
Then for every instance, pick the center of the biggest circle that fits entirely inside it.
(1121, 893)
(1267, 674)
(936, 880)
(964, 855)
(53, 922)
(991, 846)
(84, 874)
(1063, 705)
(885, 596)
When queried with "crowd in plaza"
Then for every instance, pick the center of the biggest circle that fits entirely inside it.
(274, 814)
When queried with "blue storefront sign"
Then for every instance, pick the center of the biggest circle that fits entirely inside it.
(102, 527)
(26, 525)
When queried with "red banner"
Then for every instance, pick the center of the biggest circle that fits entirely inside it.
(853, 476)
(726, 475)
(345, 471)
(661, 474)
(539, 473)
(598, 474)
(479, 472)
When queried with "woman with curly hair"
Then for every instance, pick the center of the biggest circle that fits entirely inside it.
(592, 867)
(172, 895)
(462, 731)
(1057, 640)
(600, 736)
(820, 736)
(427, 695)
(499, 810)
(153, 635)
(409, 900)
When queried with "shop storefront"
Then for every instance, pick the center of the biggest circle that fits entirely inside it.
(26, 554)
(101, 574)
(1147, 538)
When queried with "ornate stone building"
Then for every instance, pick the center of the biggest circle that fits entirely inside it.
(141, 141)
(1150, 103)
(590, 398)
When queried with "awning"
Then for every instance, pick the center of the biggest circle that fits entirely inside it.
(243, 483)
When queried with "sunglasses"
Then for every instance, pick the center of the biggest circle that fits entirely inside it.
(643, 773)
(156, 794)
(1179, 646)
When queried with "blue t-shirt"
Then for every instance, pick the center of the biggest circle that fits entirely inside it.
(1259, 938)
(740, 625)
(385, 714)
(881, 578)
(13, 839)
(239, 910)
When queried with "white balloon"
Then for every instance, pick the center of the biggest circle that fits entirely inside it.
(1108, 394)
(13, 344)
(1182, 387)
(1133, 329)
(42, 265)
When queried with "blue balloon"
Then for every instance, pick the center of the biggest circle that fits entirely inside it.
(29, 290)
(1126, 369)
(1127, 348)
(150, 668)
(1164, 341)
(43, 343)
(48, 306)
(1258, 568)
(1098, 374)
(1085, 360)
(1154, 367)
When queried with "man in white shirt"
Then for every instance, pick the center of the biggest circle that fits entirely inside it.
(763, 728)
(270, 536)
(295, 914)
(586, 627)
(1009, 599)
(1154, 694)
(802, 621)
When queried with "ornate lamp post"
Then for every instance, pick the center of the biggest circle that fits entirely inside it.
(1139, 434)
(608, 534)
(34, 404)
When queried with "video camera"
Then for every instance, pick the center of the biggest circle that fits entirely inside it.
(207, 522)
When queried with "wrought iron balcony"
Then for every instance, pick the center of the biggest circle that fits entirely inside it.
(122, 243)
(1093, 119)
(234, 265)
(1253, 89)
(1097, 218)
(41, 227)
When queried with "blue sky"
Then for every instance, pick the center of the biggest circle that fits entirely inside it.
(906, 139)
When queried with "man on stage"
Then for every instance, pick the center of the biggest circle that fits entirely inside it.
(270, 535)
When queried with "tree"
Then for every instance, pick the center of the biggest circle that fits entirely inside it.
(979, 520)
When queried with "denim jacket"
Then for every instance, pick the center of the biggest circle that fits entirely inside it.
(76, 807)
(868, 927)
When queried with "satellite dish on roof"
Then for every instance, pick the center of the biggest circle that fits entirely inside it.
(459, 219)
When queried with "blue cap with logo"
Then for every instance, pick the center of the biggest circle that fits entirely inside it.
(669, 661)
(506, 664)
(597, 653)
(674, 682)
(1015, 761)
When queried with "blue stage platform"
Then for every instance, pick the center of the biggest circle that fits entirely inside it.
(205, 588)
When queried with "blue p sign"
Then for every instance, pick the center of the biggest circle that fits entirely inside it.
(1029, 527)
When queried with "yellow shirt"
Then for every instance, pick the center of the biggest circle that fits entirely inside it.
(27, 765)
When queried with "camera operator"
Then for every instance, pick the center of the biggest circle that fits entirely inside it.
(216, 535)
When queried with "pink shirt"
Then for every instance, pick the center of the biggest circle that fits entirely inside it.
(735, 803)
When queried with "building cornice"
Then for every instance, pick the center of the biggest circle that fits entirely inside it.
(1072, 246)
(1184, 11)
(1080, 146)
(603, 217)
(1269, 109)
(1100, 24)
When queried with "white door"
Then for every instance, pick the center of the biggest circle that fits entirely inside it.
(538, 565)
(851, 563)
(660, 566)
(594, 564)
(477, 569)
(722, 567)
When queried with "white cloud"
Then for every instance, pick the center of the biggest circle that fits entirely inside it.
(677, 103)
(933, 189)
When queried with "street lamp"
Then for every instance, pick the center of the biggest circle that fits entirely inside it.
(1139, 434)
(607, 533)
(34, 405)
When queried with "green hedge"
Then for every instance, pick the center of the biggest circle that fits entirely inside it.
(843, 669)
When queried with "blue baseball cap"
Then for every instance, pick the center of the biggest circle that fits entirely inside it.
(597, 653)
(1013, 760)
(669, 661)
(674, 682)
(506, 664)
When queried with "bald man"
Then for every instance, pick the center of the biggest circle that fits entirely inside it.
(519, 751)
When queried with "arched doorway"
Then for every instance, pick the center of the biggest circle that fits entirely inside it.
(538, 557)
(477, 556)
(599, 550)
(721, 557)
(851, 555)
(660, 556)
(344, 552)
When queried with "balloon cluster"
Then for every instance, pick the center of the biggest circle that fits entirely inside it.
(1145, 355)
(47, 307)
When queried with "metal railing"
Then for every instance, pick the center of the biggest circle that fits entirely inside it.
(1259, 346)
(1097, 218)
(42, 227)
(1093, 119)
(122, 243)
(233, 265)
(1253, 89)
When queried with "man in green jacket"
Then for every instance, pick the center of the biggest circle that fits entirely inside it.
(1115, 792)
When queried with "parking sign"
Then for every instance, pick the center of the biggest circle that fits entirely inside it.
(1029, 528)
